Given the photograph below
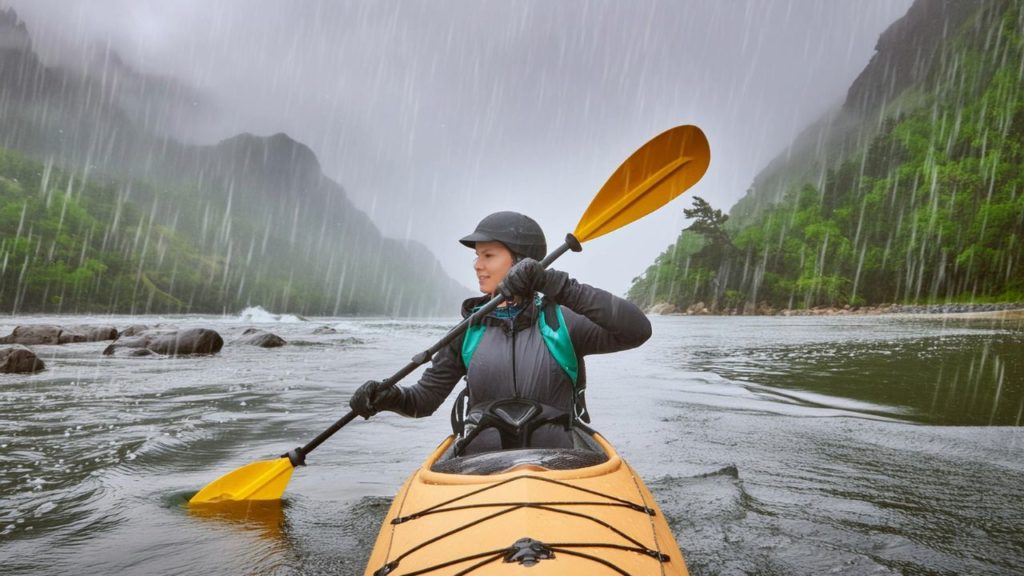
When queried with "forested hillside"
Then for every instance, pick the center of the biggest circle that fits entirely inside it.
(102, 211)
(75, 246)
(921, 202)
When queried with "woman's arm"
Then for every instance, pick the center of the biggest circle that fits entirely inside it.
(438, 380)
(612, 323)
(605, 322)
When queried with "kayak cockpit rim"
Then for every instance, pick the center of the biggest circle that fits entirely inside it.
(427, 475)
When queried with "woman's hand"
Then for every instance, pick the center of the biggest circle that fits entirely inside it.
(527, 277)
(374, 396)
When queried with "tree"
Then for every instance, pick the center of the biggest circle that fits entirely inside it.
(710, 224)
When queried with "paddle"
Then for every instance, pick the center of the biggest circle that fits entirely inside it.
(659, 171)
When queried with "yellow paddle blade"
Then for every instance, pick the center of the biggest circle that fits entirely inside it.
(660, 170)
(263, 480)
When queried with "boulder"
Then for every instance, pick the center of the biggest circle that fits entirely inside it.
(33, 335)
(261, 338)
(325, 330)
(136, 329)
(87, 334)
(662, 308)
(19, 360)
(50, 334)
(173, 343)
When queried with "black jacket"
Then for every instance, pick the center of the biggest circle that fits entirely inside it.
(512, 359)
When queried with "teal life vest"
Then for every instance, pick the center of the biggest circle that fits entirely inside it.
(558, 342)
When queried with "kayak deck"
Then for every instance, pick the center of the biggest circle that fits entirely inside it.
(503, 512)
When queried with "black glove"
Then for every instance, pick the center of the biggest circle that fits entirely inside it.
(527, 277)
(374, 396)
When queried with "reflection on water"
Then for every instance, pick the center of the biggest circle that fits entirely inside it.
(971, 374)
(773, 445)
(263, 517)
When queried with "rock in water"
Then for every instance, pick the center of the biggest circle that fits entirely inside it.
(136, 329)
(50, 334)
(87, 334)
(19, 360)
(174, 343)
(261, 338)
(192, 341)
(33, 335)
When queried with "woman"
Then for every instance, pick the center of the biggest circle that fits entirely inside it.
(531, 348)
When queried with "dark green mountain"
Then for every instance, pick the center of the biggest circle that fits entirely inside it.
(101, 210)
(911, 192)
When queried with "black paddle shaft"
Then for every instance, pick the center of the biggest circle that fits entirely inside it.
(298, 455)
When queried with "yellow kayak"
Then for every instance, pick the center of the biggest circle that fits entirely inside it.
(555, 511)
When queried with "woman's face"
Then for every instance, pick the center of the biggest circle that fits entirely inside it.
(493, 261)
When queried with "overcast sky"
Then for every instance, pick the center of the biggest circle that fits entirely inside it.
(435, 114)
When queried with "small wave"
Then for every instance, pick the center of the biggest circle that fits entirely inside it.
(257, 315)
(730, 471)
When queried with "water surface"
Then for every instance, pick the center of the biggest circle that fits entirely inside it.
(860, 445)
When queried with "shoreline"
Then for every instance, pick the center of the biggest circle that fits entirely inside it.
(1009, 311)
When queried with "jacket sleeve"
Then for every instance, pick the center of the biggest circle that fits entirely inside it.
(445, 371)
(607, 324)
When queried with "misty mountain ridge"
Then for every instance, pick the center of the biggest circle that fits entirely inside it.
(905, 54)
(15, 38)
(255, 214)
(98, 83)
(275, 166)
(912, 191)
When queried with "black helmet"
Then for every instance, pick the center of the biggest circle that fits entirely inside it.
(519, 233)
